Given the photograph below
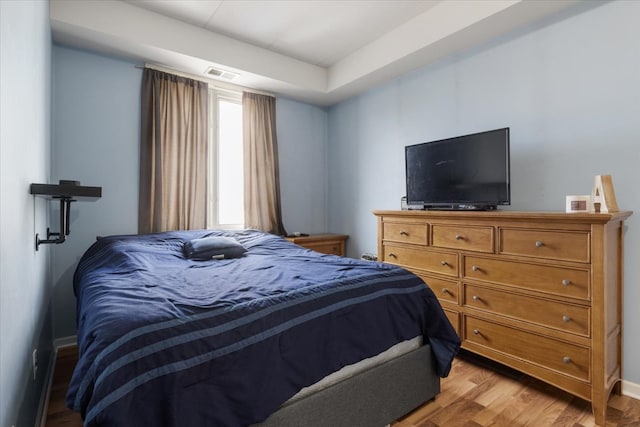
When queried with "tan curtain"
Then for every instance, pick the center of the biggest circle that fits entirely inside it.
(173, 153)
(262, 208)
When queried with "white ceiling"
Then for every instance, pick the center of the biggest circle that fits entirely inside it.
(318, 51)
(318, 32)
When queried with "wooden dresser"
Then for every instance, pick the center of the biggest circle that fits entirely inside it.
(540, 292)
(333, 244)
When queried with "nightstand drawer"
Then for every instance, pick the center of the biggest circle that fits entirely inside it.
(562, 281)
(558, 315)
(559, 356)
(557, 245)
(405, 232)
(331, 248)
(332, 244)
(478, 239)
(437, 262)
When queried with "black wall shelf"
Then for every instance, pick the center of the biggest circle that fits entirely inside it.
(65, 191)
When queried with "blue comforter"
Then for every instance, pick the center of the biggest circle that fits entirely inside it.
(169, 341)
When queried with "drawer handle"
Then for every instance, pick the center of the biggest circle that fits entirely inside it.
(404, 233)
(476, 298)
(443, 263)
(566, 282)
(566, 359)
(539, 244)
(445, 291)
(459, 237)
(476, 332)
(566, 318)
(475, 268)
(392, 255)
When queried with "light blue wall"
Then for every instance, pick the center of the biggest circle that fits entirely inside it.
(302, 152)
(25, 308)
(96, 128)
(570, 93)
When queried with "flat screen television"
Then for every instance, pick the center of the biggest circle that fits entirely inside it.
(469, 172)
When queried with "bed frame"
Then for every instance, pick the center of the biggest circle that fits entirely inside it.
(375, 397)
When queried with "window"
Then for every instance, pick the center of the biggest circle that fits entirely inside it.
(225, 198)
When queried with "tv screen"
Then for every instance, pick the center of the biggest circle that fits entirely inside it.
(465, 172)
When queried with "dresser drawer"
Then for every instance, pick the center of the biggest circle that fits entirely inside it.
(445, 290)
(563, 281)
(454, 319)
(405, 232)
(565, 317)
(559, 356)
(559, 245)
(479, 239)
(438, 262)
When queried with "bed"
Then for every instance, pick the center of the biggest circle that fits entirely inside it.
(168, 340)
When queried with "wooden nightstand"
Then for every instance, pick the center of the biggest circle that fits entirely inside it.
(333, 244)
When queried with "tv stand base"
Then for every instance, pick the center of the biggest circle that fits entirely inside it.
(461, 208)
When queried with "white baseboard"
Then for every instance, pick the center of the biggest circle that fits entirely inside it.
(58, 343)
(48, 383)
(630, 389)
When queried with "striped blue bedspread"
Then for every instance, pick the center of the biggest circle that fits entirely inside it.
(168, 341)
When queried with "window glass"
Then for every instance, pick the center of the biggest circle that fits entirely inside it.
(226, 186)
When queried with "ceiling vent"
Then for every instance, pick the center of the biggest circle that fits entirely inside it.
(222, 74)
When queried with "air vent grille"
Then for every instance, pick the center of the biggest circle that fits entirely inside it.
(223, 74)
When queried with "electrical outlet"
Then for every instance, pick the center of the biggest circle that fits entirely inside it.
(369, 256)
(34, 363)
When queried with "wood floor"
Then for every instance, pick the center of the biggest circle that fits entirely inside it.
(476, 393)
(479, 392)
(57, 413)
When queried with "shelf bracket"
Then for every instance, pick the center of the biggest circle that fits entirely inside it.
(65, 191)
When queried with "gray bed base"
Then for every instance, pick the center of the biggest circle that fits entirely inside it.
(373, 398)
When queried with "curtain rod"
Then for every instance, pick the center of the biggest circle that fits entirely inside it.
(210, 82)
